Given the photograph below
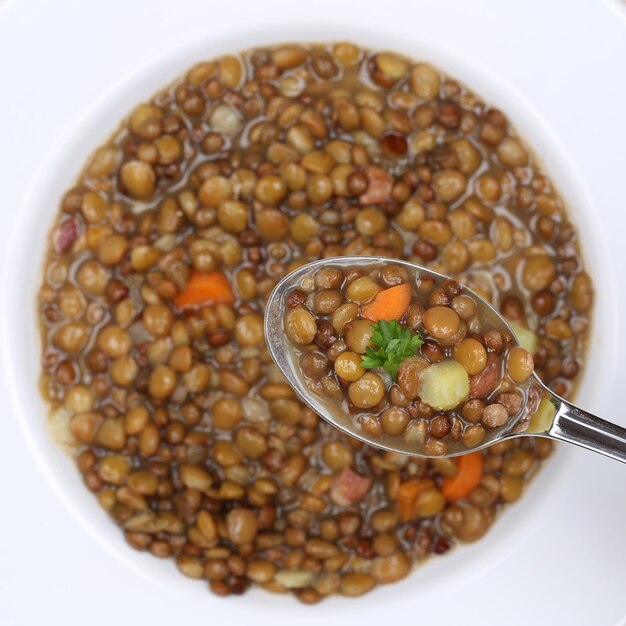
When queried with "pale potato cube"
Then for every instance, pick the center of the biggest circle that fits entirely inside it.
(444, 385)
(294, 578)
(543, 418)
(526, 338)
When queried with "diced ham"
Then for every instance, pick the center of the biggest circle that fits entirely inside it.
(65, 235)
(349, 487)
(481, 385)
(379, 186)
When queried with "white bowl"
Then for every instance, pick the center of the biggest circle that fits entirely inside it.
(21, 343)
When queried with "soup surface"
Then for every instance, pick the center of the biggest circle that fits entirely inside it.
(161, 259)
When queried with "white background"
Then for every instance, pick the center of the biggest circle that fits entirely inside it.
(57, 57)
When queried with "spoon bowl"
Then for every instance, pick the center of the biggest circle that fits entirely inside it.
(544, 413)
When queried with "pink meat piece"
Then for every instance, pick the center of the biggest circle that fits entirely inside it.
(379, 186)
(349, 487)
(65, 235)
(483, 384)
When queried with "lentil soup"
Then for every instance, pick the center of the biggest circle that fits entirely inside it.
(161, 259)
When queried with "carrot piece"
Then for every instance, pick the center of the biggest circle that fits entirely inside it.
(407, 496)
(470, 471)
(389, 304)
(205, 288)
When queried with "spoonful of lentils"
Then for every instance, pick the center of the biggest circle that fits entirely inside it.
(412, 361)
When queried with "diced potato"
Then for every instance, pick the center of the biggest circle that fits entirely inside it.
(58, 424)
(444, 385)
(543, 418)
(295, 578)
(527, 338)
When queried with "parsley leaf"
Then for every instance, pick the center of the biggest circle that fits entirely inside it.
(392, 345)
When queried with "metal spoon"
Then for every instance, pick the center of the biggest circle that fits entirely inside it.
(545, 414)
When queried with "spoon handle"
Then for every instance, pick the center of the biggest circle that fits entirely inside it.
(576, 426)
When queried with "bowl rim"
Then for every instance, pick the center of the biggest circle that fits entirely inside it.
(83, 135)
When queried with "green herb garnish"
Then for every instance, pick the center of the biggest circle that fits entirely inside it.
(394, 344)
